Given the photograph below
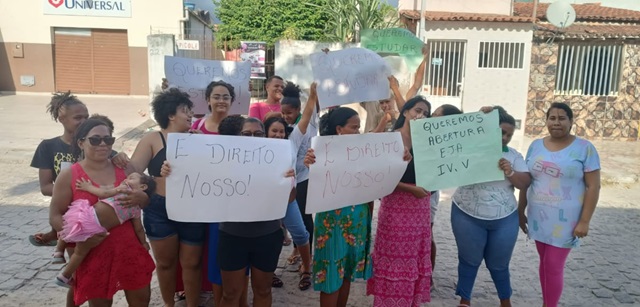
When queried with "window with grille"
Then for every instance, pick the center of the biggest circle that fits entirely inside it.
(589, 70)
(445, 73)
(501, 55)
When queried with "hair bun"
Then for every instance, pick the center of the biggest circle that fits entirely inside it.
(291, 90)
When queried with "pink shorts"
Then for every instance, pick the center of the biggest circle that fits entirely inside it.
(80, 222)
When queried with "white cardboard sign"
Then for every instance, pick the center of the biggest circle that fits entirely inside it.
(354, 169)
(217, 178)
(349, 75)
(192, 76)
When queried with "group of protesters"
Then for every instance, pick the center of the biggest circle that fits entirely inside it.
(97, 196)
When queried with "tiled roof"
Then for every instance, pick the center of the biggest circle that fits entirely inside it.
(452, 16)
(590, 30)
(584, 12)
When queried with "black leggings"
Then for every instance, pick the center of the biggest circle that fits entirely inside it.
(301, 198)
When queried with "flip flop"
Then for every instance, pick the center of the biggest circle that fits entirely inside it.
(36, 240)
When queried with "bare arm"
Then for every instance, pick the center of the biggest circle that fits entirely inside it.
(139, 229)
(520, 180)
(591, 196)
(86, 185)
(60, 200)
(143, 153)
(307, 113)
(45, 177)
(395, 88)
(522, 207)
(382, 124)
(418, 80)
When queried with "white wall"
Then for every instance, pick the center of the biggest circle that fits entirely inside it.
(23, 21)
(462, 6)
(506, 87)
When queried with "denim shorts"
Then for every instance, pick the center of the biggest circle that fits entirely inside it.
(158, 226)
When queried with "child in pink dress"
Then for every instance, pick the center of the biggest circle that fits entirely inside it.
(84, 220)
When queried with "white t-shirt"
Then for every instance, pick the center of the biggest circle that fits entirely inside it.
(491, 200)
(301, 143)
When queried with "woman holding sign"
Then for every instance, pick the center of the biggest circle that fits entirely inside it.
(564, 191)
(401, 256)
(342, 237)
(219, 95)
(246, 244)
(170, 241)
(485, 222)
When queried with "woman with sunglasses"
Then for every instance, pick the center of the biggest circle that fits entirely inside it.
(171, 241)
(562, 198)
(117, 260)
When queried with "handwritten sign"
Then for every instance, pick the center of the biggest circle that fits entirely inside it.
(218, 178)
(354, 169)
(348, 76)
(394, 41)
(192, 76)
(456, 150)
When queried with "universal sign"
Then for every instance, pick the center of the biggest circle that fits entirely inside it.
(100, 8)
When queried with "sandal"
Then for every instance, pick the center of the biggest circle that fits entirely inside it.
(293, 259)
(63, 281)
(58, 258)
(305, 281)
(181, 296)
(37, 240)
(276, 282)
(286, 241)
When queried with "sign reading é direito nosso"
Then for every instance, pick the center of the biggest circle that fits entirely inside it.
(100, 8)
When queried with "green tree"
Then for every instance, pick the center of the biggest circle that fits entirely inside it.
(348, 16)
(269, 20)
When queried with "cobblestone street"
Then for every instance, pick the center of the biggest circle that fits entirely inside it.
(604, 271)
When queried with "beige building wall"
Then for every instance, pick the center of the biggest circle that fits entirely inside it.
(24, 25)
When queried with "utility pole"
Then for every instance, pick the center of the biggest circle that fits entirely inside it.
(421, 32)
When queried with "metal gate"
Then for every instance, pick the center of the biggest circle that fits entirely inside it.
(444, 80)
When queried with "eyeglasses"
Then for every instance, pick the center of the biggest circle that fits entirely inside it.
(221, 98)
(254, 133)
(96, 140)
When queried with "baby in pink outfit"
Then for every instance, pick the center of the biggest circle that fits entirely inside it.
(83, 220)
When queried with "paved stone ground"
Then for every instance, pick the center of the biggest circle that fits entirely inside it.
(605, 271)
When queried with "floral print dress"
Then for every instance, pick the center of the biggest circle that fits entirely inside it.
(342, 242)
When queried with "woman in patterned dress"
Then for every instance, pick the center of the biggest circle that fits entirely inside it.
(342, 237)
(402, 265)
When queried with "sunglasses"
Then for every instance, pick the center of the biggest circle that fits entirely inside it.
(96, 140)
(249, 133)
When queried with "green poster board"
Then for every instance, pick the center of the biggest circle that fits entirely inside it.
(394, 41)
(456, 150)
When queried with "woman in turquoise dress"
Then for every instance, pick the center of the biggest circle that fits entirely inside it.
(343, 236)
